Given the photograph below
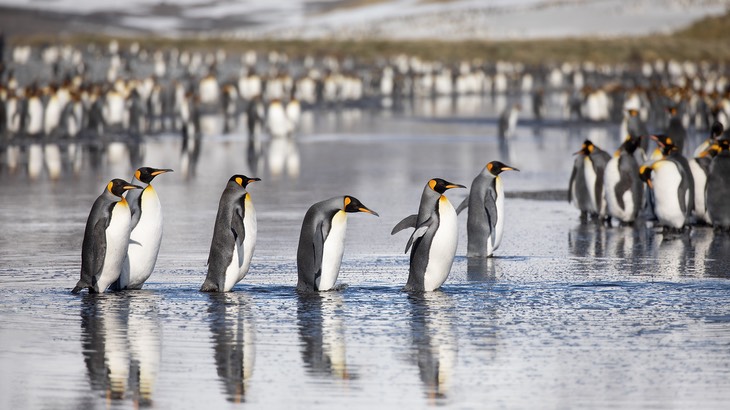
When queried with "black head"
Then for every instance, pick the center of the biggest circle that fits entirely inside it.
(439, 185)
(662, 140)
(242, 180)
(586, 149)
(147, 174)
(496, 167)
(633, 112)
(629, 145)
(717, 130)
(352, 204)
(645, 174)
(118, 186)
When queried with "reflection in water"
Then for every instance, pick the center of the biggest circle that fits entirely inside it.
(233, 332)
(192, 141)
(480, 269)
(717, 264)
(283, 155)
(322, 334)
(672, 253)
(433, 330)
(121, 343)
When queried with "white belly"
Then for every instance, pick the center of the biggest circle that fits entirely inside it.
(443, 247)
(117, 241)
(496, 237)
(590, 178)
(144, 242)
(666, 179)
(35, 116)
(249, 241)
(700, 180)
(233, 268)
(610, 179)
(334, 246)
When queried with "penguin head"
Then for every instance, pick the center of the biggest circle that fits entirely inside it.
(629, 145)
(352, 204)
(496, 167)
(439, 185)
(717, 129)
(645, 174)
(147, 174)
(672, 111)
(632, 112)
(242, 180)
(118, 186)
(586, 149)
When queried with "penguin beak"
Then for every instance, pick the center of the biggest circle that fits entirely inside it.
(369, 211)
(451, 186)
(254, 180)
(128, 187)
(160, 171)
(510, 169)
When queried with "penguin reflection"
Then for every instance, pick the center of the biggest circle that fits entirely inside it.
(192, 141)
(283, 155)
(434, 341)
(322, 334)
(121, 343)
(233, 332)
(718, 256)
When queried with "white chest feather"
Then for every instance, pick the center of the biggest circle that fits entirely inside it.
(117, 241)
(144, 241)
(666, 179)
(611, 178)
(700, 180)
(443, 247)
(249, 241)
(496, 238)
(334, 246)
(590, 177)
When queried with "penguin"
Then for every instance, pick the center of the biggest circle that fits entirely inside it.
(485, 220)
(636, 128)
(508, 121)
(718, 187)
(434, 239)
(700, 168)
(622, 185)
(106, 238)
(671, 192)
(585, 190)
(676, 130)
(715, 133)
(671, 151)
(234, 237)
(322, 242)
(146, 231)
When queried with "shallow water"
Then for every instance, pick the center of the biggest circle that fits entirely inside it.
(566, 316)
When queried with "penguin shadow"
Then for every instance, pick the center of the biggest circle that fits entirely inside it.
(322, 334)
(233, 332)
(121, 343)
(434, 339)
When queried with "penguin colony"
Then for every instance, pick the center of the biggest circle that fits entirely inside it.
(61, 94)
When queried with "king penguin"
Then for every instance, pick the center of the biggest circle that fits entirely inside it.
(146, 231)
(322, 242)
(434, 239)
(106, 238)
(485, 220)
(622, 185)
(234, 237)
(585, 190)
(671, 192)
(718, 187)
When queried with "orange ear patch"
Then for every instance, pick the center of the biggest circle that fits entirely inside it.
(138, 175)
(432, 183)
(347, 201)
(109, 186)
(239, 181)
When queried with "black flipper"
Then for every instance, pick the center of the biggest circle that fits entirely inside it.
(407, 222)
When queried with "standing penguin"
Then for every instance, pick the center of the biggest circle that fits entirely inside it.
(622, 185)
(585, 190)
(485, 220)
(434, 239)
(671, 192)
(676, 130)
(672, 152)
(234, 237)
(718, 187)
(146, 231)
(322, 242)
(106, 238)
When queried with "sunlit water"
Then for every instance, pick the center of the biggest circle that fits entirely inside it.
(565, 316)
